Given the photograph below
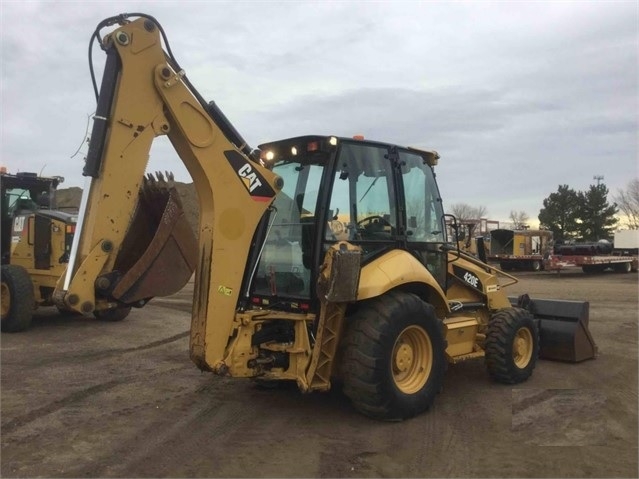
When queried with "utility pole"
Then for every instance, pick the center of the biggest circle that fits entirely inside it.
(599, 178)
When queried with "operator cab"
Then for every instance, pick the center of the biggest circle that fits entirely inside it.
(28, 211)
(375, 195)
(21, 195)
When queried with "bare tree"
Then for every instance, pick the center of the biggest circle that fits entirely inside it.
(463, 211)
(628, 202)
(519, 219)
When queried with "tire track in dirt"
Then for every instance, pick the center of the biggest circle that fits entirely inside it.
(73, 398)
(176, 304)
(84, 356)
(534, 400)
(192, 423)
(112, 352)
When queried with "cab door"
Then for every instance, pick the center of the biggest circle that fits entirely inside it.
(424, 226)
(362, 206)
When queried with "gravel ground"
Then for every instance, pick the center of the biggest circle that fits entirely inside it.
(81, 398)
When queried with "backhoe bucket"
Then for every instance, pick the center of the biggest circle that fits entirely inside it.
(159, 252)
(563, 328)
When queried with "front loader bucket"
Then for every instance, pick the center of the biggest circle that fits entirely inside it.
(159, 252)
(563, 328)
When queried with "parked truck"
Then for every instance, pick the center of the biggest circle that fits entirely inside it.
(621, 256)
(626, 243)
(520, 249)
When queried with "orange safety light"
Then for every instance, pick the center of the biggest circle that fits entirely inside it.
(312, 146)
(358, 137)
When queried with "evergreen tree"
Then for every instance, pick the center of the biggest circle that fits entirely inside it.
(560, 213)
(597, 216)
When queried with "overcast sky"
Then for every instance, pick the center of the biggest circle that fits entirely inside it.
(517, 97)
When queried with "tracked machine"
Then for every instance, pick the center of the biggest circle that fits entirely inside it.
(318, 257)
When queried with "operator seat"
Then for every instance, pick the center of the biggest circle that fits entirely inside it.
(24, 204)
(43, 200)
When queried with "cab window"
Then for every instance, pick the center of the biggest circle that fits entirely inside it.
(362, 203)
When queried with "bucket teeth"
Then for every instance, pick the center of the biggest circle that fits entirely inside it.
(157, 187)
(159, 252)
(166, 179)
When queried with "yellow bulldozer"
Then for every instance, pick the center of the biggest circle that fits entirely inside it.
(318, 257)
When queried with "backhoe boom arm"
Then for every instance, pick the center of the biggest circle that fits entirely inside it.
(145, 95)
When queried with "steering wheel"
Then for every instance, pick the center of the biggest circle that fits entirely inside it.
(338, 230)
(369, 221)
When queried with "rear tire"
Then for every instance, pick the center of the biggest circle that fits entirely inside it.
(623, 267)
(512, 345)
(593, 268)
(535, 265)
(394, 360)
(18, 300)
(112, 315)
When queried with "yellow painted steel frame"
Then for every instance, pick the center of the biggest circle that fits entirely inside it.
(492, 289)
(398, 268)
(240, 350)
(311, 367)
(466, 330)
(22, 254)
(151, 100)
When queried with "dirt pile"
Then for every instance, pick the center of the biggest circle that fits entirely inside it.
(68, 199)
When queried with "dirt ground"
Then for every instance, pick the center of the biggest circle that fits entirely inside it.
(81, 398)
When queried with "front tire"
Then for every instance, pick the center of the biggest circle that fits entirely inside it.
(394, 357)
(512, 345)
(18, 300)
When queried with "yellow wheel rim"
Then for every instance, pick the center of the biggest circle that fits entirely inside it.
(412, 359)
(6, 299)
(522, 347)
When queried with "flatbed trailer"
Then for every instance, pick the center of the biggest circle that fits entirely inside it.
(592, 264)
(507, 262)
(520, 249)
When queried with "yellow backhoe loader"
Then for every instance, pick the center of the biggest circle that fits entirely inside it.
(37, 239)
(319, 257)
